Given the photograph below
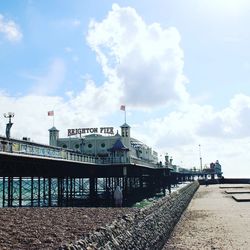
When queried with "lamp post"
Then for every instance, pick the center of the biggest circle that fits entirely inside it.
(166, 160)
(82, 144)
(8, 125)
(200, 157)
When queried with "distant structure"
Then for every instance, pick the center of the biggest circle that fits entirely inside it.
(215, 169)
(102, 142)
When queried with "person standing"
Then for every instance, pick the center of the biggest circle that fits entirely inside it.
(108, 196)
(118, 197)
(206, 181)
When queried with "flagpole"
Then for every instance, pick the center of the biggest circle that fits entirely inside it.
(51, 113)
(123, 108)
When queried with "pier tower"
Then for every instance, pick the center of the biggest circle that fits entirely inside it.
(125, 132)
(53, 136)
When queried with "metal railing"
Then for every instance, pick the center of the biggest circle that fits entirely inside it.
(34, 149)
(23, 148)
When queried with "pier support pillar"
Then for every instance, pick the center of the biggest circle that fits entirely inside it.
(32, 192)
(20, 191)
(49, 192)
(92, 188)
(3, 191)
(39, 191)
(10, 191)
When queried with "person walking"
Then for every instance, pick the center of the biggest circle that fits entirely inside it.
(118, 196)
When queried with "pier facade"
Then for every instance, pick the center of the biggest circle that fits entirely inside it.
(83, 171)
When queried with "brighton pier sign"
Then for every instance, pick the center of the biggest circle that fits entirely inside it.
(102, 130)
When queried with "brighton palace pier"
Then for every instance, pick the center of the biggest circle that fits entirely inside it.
(84, 169)
(118, 148)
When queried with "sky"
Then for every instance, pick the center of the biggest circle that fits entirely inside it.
(181, 68)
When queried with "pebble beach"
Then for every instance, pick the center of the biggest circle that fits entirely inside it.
(49, 228)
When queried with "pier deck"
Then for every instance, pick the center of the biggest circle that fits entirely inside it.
(213, 220)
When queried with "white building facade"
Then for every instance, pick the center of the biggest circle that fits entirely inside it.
(104, 145)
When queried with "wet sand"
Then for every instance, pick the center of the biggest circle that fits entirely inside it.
(213, 220)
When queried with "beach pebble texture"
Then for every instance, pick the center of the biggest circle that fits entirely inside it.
(94, 228)
(48, 228)
(148, 229)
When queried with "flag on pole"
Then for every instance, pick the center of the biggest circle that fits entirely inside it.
(51, 113)
(123, 108)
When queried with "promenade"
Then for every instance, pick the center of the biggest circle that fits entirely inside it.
(214, 220)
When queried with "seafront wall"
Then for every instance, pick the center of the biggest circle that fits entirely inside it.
(148, 229)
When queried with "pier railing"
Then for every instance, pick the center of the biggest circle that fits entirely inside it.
(32, 149)
(138, 161)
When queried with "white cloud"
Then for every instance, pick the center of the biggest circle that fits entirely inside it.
(224, 135)
(143, 66)
(10, 30)
(231, 122)
(146, 59)
(84, 109)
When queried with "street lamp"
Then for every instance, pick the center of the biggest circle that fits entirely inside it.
(82, 144)
(200, 157)
(8, 125)
(166, 160)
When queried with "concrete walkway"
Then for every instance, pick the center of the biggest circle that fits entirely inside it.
(213, 220)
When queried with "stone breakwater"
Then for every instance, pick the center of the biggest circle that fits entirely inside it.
(147, 229)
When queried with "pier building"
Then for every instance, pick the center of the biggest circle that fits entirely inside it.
(120, 146)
